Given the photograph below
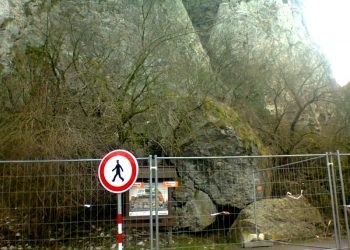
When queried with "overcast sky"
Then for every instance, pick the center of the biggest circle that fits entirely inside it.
(328, 22)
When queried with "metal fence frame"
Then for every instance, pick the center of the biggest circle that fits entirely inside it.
(334, 171)
(338, 188)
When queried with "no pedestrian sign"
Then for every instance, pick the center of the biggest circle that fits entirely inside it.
(118, 171)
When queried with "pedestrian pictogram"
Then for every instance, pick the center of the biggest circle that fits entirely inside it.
(118, 171)
(117, 168)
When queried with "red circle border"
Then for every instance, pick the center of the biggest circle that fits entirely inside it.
(134, 171)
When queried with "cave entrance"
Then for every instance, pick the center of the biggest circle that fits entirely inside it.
(218, 230)
(225, 218)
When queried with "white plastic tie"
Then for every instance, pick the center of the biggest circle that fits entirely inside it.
(295, 197)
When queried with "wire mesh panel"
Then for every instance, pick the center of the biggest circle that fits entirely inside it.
(341, 178)
(55, 204)
(298, 207)
(204, 204)
(227, 202)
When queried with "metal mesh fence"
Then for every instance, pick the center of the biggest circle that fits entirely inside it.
(55, 204)
(341, 200)
(211, 193)
(231, 201)
(197, 203)
(298, 202)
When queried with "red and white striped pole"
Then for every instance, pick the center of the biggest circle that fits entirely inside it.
(120, 223)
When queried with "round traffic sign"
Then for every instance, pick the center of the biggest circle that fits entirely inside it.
(118, 171)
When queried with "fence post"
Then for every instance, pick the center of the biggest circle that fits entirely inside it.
(336, 199)
(333, 201)
(150, 203)
(343, 198)
(153, 167)
(156, 201)
(254, 207)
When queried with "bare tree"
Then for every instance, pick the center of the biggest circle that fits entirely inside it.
(105, 76)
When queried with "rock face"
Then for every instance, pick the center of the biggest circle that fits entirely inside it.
(12, 21)
(203, 14)
(262, 46)
(4, 11)
(219, 131)
(220, 183)
(161, 31)
(196, 213)
(257, 26)
(278, 219)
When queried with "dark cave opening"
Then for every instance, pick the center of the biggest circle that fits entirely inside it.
(225, 219)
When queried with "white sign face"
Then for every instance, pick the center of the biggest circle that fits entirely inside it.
(118, 171)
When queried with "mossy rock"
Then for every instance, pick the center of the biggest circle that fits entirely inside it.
(278, 219)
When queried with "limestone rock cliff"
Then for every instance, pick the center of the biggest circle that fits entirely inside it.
(163, 31)
(203, 14)
(261, 32)
(264, 55)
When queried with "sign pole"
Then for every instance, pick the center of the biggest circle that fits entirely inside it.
(120, 222)
(118, 172)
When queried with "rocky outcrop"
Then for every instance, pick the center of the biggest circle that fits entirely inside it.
(278, 219)
(217, 130)
(4, 12)
(258, 26)
(264, 47)
(160, 31)
(12, 22)
(203, 14)
(196, 213)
